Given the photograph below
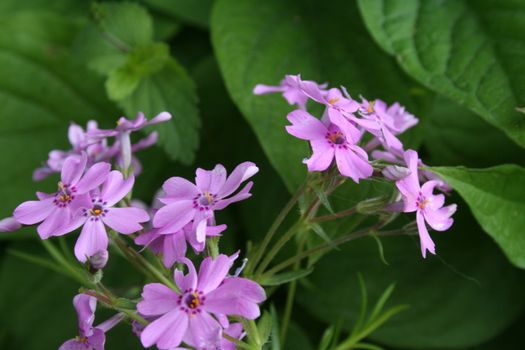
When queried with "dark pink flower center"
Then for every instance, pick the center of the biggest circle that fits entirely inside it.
(191, 301)
(421, 201)
(336, 139)
(64, 195)
(97, 210)
(204, 201)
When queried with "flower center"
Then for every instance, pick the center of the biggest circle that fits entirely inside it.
(370, 108)
(64, 195)
(204, 201)
(333, 100)
(421, 201)
(337, 138)
(97, 210)
(190, 301)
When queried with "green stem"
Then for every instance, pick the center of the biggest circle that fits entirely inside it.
(237, 342)
(277, 247)
(335, 216)
(273, 228)
(290, 299)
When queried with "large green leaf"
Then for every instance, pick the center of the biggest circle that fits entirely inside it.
(42, 90)
(496, 197)
(141, 75)
(464, 296)
(260, 42)
(470, 51)
(451, 136)
(192, 11)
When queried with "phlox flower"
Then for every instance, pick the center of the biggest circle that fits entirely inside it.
(55, 210)
(186, 202)
(188, 315)
(428, 206)
(96, 150)
(89, 337)
(173, 246)
(9, 225)
(291, 89)
(328, 141)
(101, 211)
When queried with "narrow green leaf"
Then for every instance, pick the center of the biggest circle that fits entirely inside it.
(265, 327)
(285, 277)
(327, 338)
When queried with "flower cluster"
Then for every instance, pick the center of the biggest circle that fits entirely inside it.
(94, 193)
(349, 131)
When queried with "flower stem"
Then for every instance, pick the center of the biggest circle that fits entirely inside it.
(252, 264)
(329, 245)
(335, 216)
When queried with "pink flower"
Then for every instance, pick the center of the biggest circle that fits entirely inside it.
(173, 246)
(55, 210)
(186, 202)
(89, 338)
(428, 207)
(188, 315)
(101, 211)
(329, 141)
(291, 89)
(96, 150)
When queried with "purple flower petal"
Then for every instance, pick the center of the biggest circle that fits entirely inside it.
(125, 220)
(213, 271)
(32, 212)
(241, 173)
(93, 238)
(167, 331)
(85, 305)
(180, 188)
(160, 118)
(157, 300)
(353, 165)
(236, 296)
(261, 89)
(188, 281)
(241, 195)
(305, 126)
(322, 157)
(424, 238)
(97, 339)
(73, 168)
(204, 332)
(74, 344)
(93, 177)
(52, 225)
(440, 219)
(174, 248)
(76, 135)
(173, 217)
(115, 187)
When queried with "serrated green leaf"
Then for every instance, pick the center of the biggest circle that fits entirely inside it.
(471, 52)
(496, 197)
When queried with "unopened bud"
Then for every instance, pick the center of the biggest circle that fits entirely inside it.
(372, 205)
(99, 260)
(395, 172)
(9, 225)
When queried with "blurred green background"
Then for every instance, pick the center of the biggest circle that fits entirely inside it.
(65, 61)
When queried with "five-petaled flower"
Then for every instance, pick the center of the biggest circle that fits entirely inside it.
(421, 199)
(187, 315)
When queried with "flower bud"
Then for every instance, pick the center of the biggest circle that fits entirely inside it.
(395, 172)
(9, 225)
(99, 260)
(372, 205)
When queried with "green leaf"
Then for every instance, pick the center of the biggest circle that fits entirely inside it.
(496, 198)
(141, 74)
(471, 52)
(451, 136)
(285, 277)
(125, 25)
(172, 90)
(195, 12)
(43, 88)
(260, 42)
(141, 62)
(264, 327)
(464, 296)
